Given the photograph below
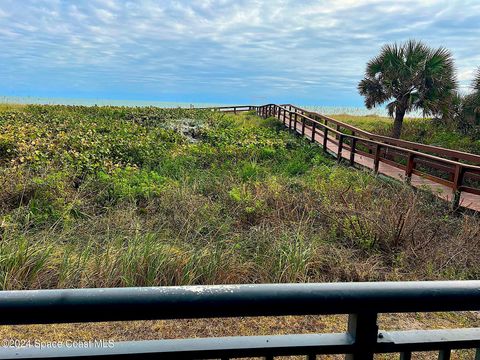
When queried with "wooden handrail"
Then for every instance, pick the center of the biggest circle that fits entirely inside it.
(390, 146)
(456, 170)
(453, 154)
(414, 153)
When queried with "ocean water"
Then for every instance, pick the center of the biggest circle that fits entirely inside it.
(99, 102)
(331, 110)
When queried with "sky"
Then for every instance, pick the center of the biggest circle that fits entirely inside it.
(219, 51)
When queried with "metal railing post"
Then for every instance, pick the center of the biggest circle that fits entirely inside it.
(364, 329)
(444, 354)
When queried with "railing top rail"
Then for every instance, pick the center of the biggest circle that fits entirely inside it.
(410, 144)
(94, 305)
(223, 107)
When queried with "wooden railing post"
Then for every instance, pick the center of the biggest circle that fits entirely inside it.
(376, 160)
(457, 183)
(410, 166)
(452, 176)
(340, 147)
(352, 151)
(325, 139)
(235, 110)
(290, 120)
(294, 121)
(314, 130)
(303, 126)
(364, 329)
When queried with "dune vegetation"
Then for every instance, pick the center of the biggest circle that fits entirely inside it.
(116, 196)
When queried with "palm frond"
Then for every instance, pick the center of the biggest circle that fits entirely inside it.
(476, 81)
(373, 92)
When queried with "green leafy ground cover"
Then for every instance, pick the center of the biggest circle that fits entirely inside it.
(116, 196)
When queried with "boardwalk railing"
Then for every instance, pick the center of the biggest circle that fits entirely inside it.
(456, 170)
(454, 155)
(362, 301)
(230, 109)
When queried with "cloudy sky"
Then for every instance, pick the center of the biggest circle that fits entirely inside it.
(223, 51)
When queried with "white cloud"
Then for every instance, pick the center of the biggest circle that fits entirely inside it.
(315, 48)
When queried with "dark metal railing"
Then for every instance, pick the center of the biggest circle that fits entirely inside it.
(362, 301)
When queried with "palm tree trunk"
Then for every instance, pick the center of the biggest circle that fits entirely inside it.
(398, 122)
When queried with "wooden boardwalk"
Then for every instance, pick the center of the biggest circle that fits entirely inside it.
(452, 175)
(467, 200)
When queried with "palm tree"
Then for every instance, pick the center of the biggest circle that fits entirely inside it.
(409, 77)
(470, 115)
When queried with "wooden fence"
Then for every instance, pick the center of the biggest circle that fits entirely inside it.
(456, 170)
